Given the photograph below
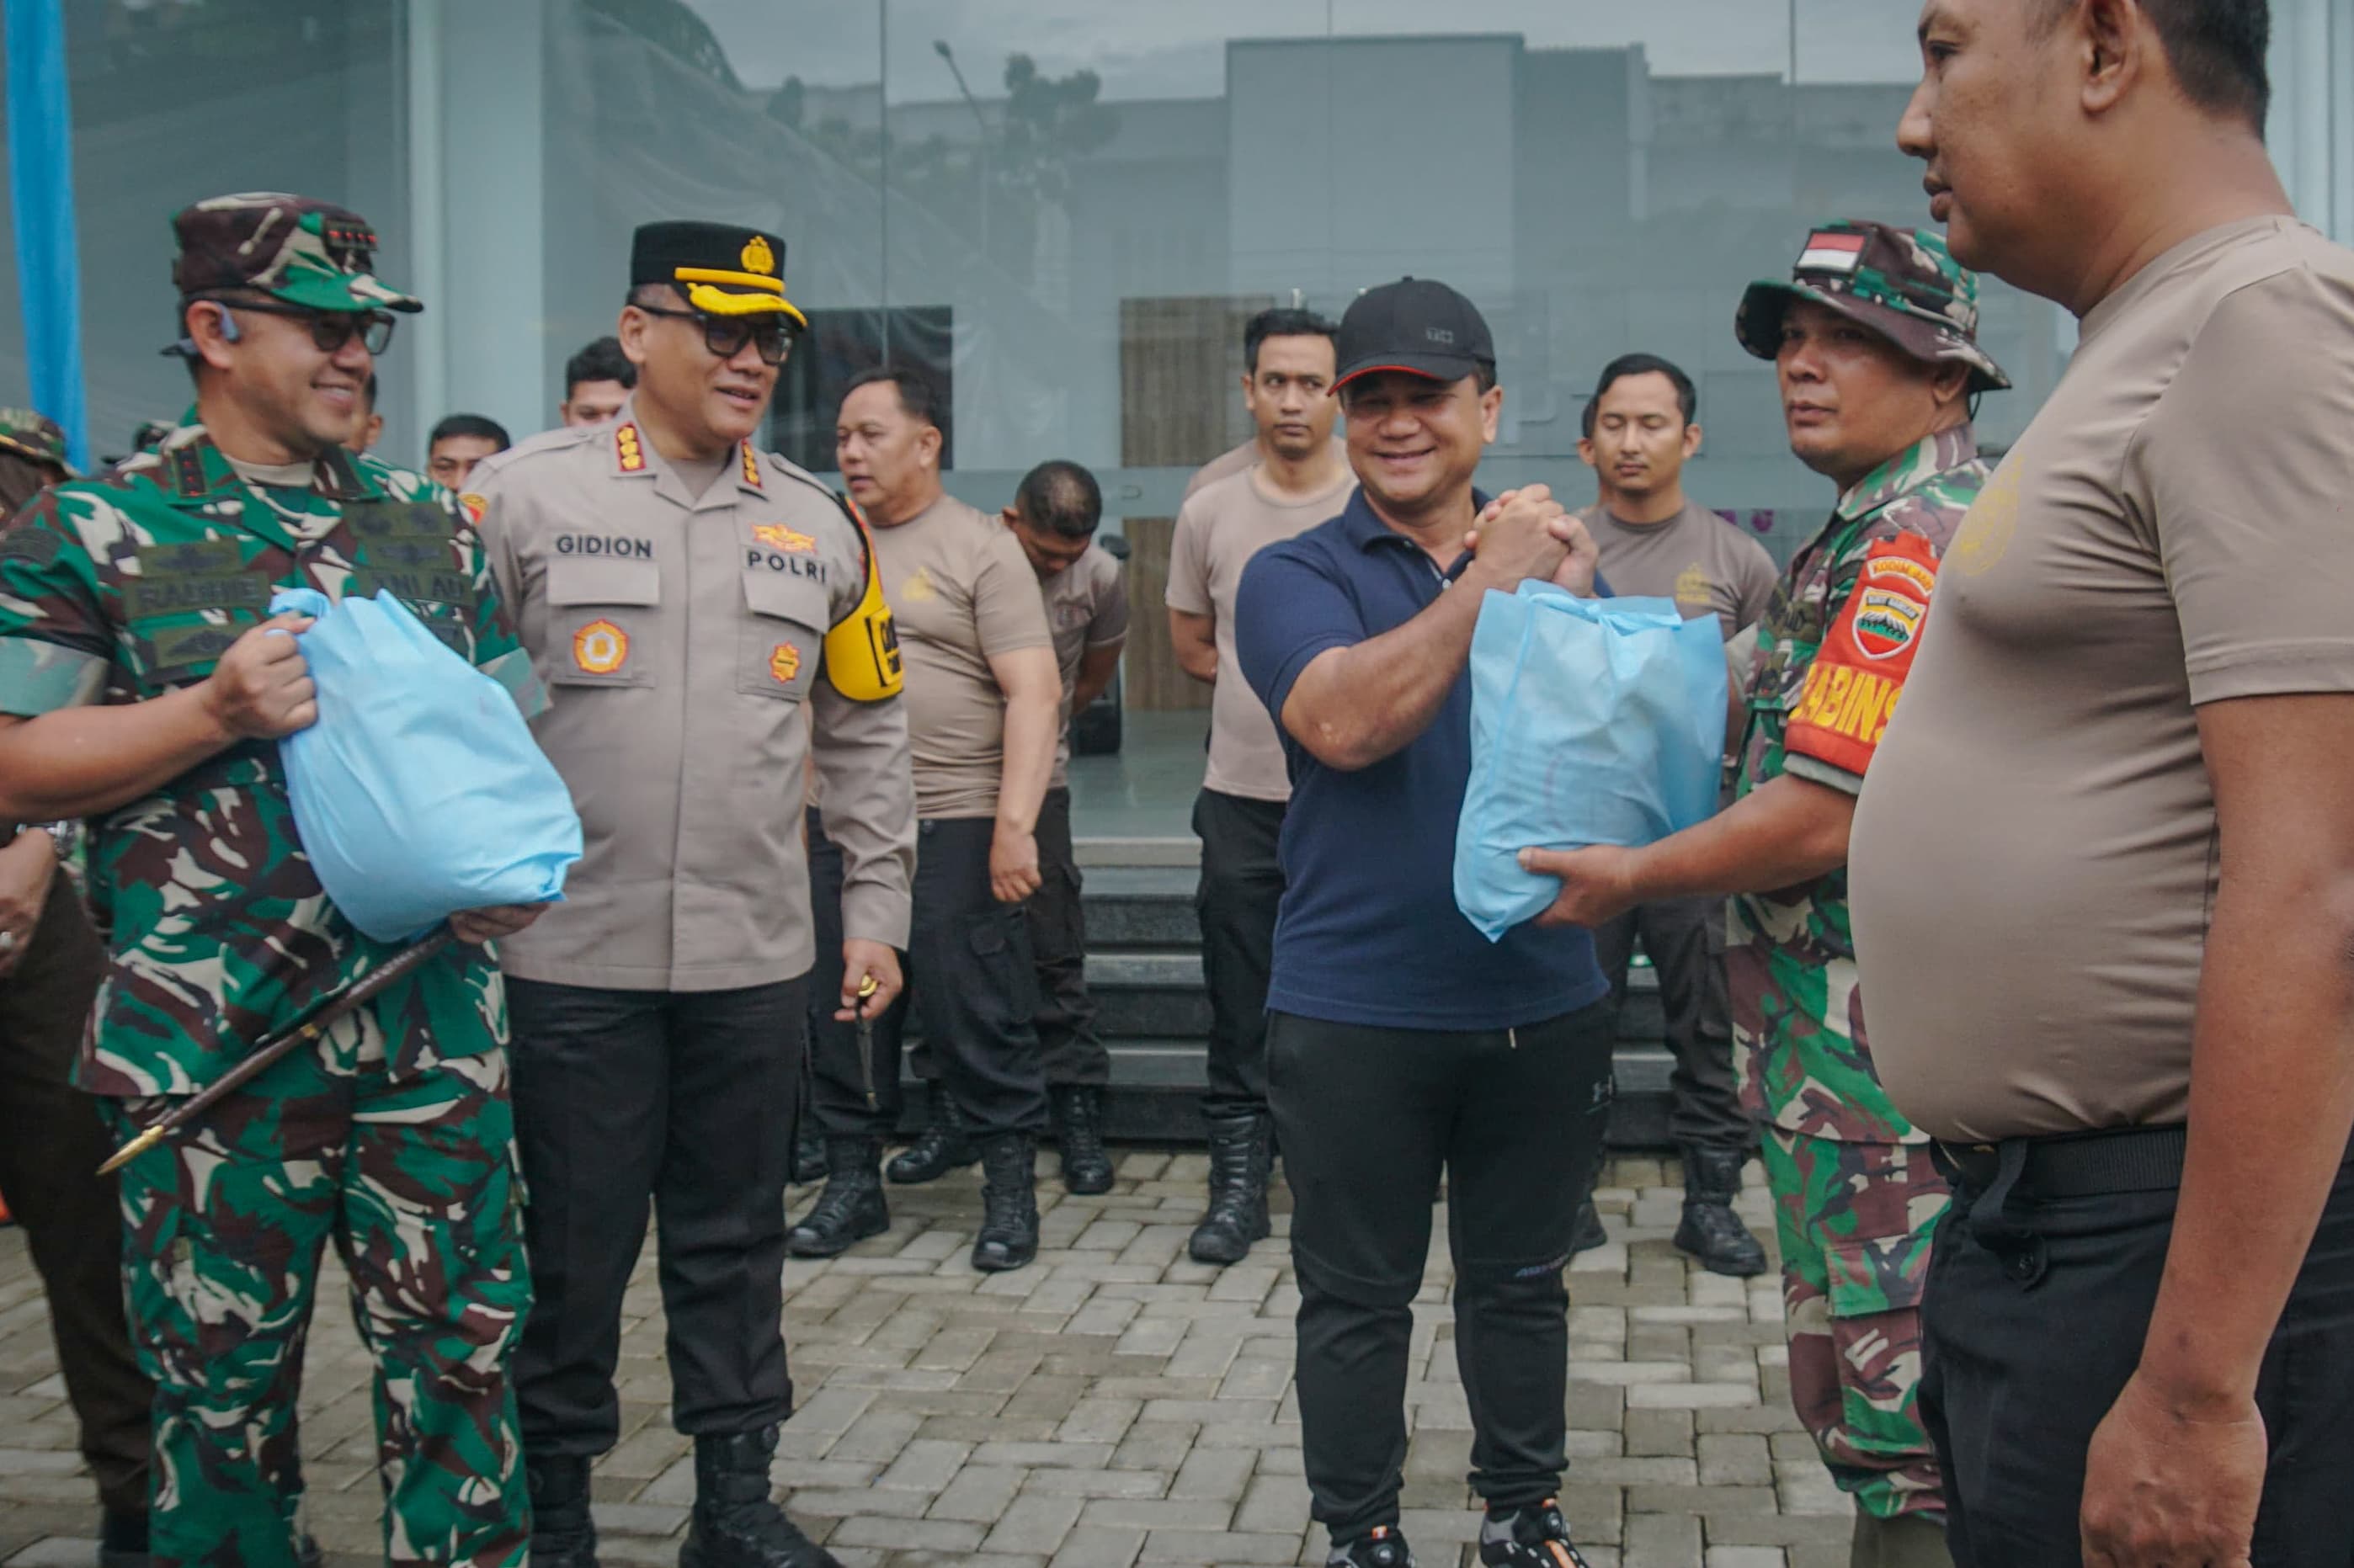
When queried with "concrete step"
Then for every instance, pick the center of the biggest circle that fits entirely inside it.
(1142, 906)
(1156, 1086)
(1156, 1090)
(1144, 972)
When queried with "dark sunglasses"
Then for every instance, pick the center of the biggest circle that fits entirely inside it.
(727, 335)
(330, 330)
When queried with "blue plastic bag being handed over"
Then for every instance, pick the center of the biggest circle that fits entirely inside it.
(1593, 721)
(420, 792)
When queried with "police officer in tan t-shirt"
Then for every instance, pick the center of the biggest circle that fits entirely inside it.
(983, 701)
(685, 597)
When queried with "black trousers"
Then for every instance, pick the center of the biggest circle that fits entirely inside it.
(971, 979)
(1685, 938)
(52, 1142)
(685, 1099)
(1241, 887)
(1068, 1041)
(2033, 1321)
(1369, 1119)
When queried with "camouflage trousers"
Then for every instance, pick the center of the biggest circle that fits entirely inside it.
(1854, 1220)
(414, 1182)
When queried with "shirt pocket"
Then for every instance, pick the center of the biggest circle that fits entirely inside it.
(602, 616)
(779, 644)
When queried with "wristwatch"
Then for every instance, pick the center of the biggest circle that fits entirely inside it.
(64, 837)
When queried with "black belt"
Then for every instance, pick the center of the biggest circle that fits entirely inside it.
(2077, 1165)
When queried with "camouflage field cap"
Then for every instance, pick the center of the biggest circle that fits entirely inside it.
(305, 253)
(35, 436)
(1903, 283)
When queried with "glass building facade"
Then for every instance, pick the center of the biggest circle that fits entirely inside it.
(1065, 207)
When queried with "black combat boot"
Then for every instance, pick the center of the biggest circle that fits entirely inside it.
(1589, 1233)
(1240, 1155)
(1078, 1131)
(1711, 1231)
(943, 1148)
(735, 1524)
(1009, 1204)
(850, 1208)
(562, 1533)
(809, 1150)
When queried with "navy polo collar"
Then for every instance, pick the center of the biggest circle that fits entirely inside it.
(1363, 527)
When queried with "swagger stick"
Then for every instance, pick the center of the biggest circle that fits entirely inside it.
(277, 1047)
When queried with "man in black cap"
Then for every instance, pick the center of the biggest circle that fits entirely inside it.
(1400, 1043)
(687, 597)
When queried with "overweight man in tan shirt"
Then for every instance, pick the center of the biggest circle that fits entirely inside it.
(2103, 872)
(679, 591)
(983, 697)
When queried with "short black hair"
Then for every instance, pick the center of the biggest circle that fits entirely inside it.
(367, 394)
(600, 361)
(1061, 497)
(2215, 47)
(1626, 365)
(470, 425)
(1284, 321)
(920, 395)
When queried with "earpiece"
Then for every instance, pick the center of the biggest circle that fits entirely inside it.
(230, 332)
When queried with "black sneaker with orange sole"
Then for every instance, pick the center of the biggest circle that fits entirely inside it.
(1528, 1538)
(1382, 1547)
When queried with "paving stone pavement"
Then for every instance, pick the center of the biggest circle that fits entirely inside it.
(1115, 1404)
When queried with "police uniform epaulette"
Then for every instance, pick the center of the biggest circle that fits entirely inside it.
(563, 439)
(792, 470)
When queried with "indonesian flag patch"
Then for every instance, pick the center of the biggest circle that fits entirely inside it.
(1827, 251)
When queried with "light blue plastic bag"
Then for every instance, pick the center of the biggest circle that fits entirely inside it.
(420, 792)
(1593, 721)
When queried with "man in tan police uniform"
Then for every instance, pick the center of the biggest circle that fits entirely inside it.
(983, 700)
(1056, 509)
(685, 595)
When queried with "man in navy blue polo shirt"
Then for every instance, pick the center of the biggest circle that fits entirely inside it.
(1401, 1042)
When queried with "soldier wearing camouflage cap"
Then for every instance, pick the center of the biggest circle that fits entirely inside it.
(142, 686)
(1874, 340)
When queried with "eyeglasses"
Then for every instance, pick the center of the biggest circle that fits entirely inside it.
(330, 330)
(727, 335)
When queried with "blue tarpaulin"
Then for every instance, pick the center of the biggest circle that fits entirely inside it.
(41, 211)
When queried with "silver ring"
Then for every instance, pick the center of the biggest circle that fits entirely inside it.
(8, 942)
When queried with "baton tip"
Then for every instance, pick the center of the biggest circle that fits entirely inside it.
(133, 1150)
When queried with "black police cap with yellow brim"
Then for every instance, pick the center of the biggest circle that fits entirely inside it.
(719, 269)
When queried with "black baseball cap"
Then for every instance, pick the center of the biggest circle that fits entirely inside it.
(1417, 325)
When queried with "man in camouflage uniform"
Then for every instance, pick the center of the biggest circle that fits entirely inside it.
(144, 685)
(52, 1139)
(1874, 343)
